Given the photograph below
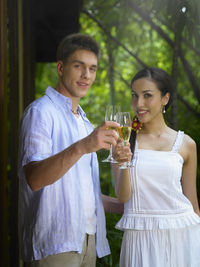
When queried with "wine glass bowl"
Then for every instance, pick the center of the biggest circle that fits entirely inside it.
(125, 132)
(112, 114)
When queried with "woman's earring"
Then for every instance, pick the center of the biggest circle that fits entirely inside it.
(164, 111)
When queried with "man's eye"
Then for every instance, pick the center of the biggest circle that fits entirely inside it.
(77, 66)
(93, 69)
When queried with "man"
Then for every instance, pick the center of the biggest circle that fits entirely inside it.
(61, 216)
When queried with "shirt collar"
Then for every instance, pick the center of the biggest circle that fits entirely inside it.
(60, 100)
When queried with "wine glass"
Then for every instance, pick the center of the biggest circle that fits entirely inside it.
(125, 132)
(112, 114)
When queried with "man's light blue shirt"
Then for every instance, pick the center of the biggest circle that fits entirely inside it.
(51, 220)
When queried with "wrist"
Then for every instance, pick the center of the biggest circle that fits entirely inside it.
(81, 147)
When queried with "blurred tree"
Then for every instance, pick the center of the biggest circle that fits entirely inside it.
(180, 15)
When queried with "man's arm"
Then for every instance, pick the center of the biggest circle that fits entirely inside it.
(112, 205)
(48, 171)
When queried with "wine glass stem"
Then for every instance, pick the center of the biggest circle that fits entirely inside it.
(111, 150)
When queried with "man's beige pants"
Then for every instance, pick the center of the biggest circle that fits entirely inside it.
(70, 259)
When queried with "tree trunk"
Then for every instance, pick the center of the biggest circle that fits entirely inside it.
(111, 73)
(179, 25)
(174, 119)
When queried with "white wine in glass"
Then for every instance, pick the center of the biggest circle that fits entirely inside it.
(125, 132)
(112, 114)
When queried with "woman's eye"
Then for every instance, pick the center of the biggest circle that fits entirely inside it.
(147, 95)
(134, 95)
(77, 66)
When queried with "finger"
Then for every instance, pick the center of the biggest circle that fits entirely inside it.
(102, 131)
(123, 150)
(121, 154)
(110, 124)
(111, 140)
(112, 134)
(119, 142)
(122, 159)
(106, 146)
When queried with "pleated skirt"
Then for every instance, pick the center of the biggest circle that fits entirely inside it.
(161, 248)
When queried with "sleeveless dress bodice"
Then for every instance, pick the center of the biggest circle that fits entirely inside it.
(157, 200)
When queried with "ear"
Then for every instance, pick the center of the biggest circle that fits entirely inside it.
(165, 99)
(60, 68)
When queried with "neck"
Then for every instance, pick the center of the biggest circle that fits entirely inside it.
(75, 112)
(154, 127)
(74, 108)
(75, 100)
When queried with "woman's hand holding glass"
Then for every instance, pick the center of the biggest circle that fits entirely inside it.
(124, 133)
(122, 154)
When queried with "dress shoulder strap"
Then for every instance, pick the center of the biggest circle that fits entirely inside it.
(135, 153)
(178, 142)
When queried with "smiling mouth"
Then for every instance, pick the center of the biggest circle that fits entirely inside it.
(141, 113)
(82, 84)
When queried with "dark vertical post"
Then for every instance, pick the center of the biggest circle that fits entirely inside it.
(28, 53)
(13, 134)
(3, 134)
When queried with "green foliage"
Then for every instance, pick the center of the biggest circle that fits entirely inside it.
(46, 75)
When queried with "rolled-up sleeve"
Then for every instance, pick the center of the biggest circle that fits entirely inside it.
(35, 136)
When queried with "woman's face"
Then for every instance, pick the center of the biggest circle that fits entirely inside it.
(147, 101)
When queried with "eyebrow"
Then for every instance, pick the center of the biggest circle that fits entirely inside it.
(82, 63)
(144, 91)
(147, 90)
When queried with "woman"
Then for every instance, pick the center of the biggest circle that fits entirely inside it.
(161, 220)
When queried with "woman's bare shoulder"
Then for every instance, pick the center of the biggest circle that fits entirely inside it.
(189, 142)
(188, 148)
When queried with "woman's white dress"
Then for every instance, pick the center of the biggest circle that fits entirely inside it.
(160, 226)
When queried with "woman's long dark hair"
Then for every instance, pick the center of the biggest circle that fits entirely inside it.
(132, 141)
(163, 82)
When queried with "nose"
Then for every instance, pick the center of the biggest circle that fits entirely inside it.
(86, 73)
(138, 102)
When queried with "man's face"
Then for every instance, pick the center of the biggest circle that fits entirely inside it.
(77, 74)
